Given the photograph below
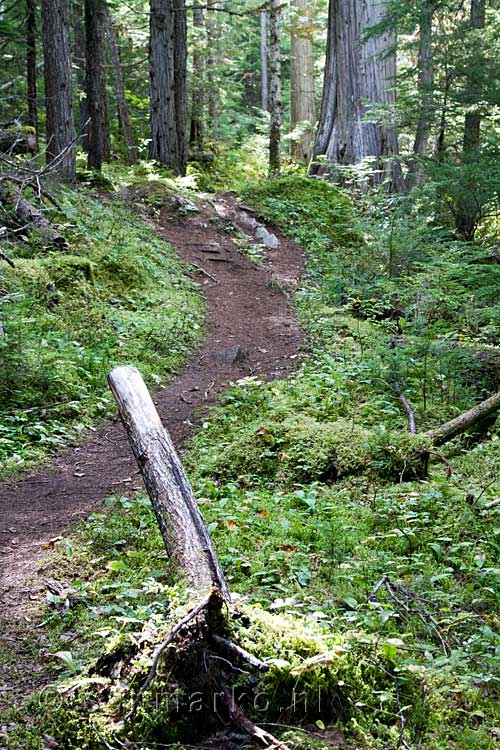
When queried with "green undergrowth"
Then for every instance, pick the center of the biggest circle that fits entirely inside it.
(117, 295)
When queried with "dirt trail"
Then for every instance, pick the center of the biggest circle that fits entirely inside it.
(251, 329)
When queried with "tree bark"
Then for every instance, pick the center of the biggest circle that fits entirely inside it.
(79, 55)
(467, 208)
(31, 83)
(60, 129)
(180, 77)
(212, 77)
(303, 106)
(275, 87)
(181, 524)
(426, 91)
(264, 87)
(121, 100)
(167, 77)
(363, 70)
(197, 134)
(99, 143)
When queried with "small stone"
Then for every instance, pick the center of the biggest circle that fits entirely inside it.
(247, 221)
(260, 233)
(271, 242)
(230, 356)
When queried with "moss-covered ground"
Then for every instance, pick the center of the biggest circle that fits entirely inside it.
(373, 595)
(118, 293)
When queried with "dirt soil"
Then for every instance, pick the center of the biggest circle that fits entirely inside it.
(251, 329)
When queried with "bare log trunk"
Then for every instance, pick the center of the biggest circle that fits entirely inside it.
(465, 421)
(275, 88)
(303, 108)
(181, 524)
(264, 93)
(30, 216)
(121, 100)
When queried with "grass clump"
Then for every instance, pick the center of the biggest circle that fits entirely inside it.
(118, 295)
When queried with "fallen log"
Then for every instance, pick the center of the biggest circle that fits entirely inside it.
(20, 139)
(465, 421)
(181, 525)
(26, 213)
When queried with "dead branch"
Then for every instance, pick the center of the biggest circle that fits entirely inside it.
(241, 720)
(7, 259)
(492, 504)
(205, 273)
(240, 653)
(406, 406)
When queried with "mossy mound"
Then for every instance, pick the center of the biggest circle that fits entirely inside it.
(305, 450)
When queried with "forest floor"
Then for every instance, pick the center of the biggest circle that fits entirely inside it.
(251, 329)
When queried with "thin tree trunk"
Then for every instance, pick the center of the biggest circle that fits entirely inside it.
(275, 87)
(181, 524)
(99, 143)
(212, 79)
(180, 76)
(426, 91)
(364, 70)
(60, 129)
(121, 100)
(328, 99)
(264, 87)
(303, 106)
(197, 133)
(79, 61)
(467, 209)
(31, 88)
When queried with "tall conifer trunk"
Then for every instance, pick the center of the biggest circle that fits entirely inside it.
(361, 70)
(303, 108)
(60, 129)
(197, 134)
(426, 91)
(264, 85)
(31, 87)
(98, 141)
(275, 87)
(121, 101)
(167, 79)
(79, 62)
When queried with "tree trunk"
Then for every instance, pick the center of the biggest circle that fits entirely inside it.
(467, 208)
(60, 129)
(275, 87)
(180, 77)
(197, 134)
(31, 88)
(79, 55)
(303, 106)
(363, 70)
(121, 100)
(99, 145)
(181, 524)
(167, 77)
(426, 91)
(212, 78)
(264, 93)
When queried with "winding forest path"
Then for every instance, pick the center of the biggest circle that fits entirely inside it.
(250, 329)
